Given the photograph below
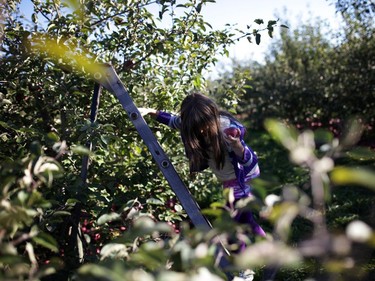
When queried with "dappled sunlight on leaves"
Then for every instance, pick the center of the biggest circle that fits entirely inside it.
(62, 52)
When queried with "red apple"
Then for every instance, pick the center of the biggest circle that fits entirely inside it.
(231, 131)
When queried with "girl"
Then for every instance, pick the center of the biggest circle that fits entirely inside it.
(214, 139)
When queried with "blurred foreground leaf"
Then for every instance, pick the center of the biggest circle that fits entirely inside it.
(101, 272)
(63, 52)
(108, 218)
(360, 176)
(270, 253)
(282, 133)
(46, 241)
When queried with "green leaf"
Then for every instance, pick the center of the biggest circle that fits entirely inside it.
(259, 21)
(36, 148)
(108, 218)
(282, 133)
(271, 23)
(199, 8)
(5, 101)
(323, 136)
(361, 153)
(257, 38)
(72, 201)
(128, 205)
(53, 136)
(105, 139)
(81, 150)
(5, 125)
(270, 31)
(100, 272)
(114, 250)
(212, 212)
(34, 18)
(46, 241)
(360, 176)
(51, 26)
(178, 208)
(11, 259)
(50, 166)
(22, 196)
(267, 252)
(62, 213)
(6, 183)
(154, 201)
(150, 255)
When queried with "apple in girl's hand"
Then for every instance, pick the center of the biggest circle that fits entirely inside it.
(231, 131)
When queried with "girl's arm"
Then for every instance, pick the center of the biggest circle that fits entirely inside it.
(245, 155)
(236, 145)
(163, 117)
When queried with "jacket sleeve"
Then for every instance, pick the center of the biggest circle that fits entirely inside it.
(168, 119)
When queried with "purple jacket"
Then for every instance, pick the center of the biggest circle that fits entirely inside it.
(245, 168)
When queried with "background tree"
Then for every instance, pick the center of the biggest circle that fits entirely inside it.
(315, 77)
(361, 10)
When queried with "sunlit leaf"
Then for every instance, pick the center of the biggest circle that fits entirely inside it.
(62, 213)
(81, 150)
(108, 218)
(178, 208)
(268, 253)
(72, 201)
(57, 50)
(114, 250)
(53, 136)
(281, 132)
(154, 201)
(151, 255)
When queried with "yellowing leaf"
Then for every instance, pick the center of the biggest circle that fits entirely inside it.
(360, 176)
(61, 51)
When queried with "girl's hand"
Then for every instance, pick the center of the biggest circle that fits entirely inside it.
(235, 144)
(148, 111)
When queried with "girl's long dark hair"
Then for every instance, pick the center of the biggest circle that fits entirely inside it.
(200, 129)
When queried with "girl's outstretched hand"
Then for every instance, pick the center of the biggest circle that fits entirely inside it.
(147, 111)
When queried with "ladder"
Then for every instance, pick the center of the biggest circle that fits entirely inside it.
(109, 79)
